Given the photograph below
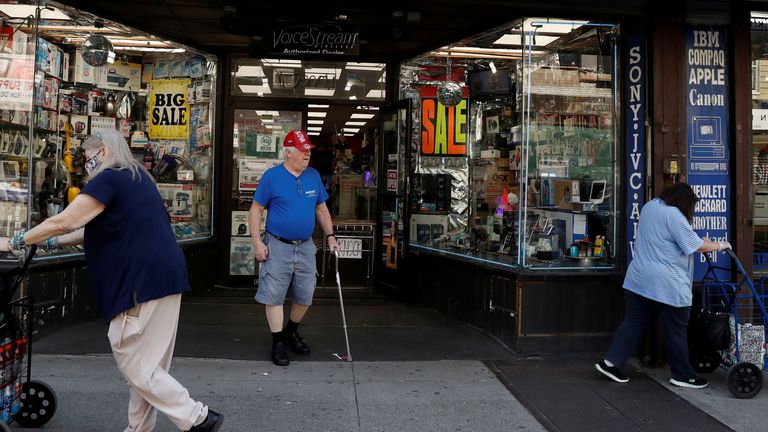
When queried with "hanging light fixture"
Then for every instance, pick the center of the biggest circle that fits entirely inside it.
(449, 92)
(97, 50)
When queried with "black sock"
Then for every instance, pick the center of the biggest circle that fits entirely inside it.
(277, 337)
(291, 327)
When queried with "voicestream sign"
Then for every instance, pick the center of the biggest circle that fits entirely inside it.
(329, 38)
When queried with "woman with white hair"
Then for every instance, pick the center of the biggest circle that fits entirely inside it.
(137, 273)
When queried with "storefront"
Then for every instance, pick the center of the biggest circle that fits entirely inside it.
(498, 178)
(67, 74)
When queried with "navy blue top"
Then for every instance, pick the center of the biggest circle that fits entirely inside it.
(290, 201)
(130, 246)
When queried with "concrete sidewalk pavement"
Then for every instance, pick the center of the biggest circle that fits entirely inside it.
(415, 370)
(424, 396)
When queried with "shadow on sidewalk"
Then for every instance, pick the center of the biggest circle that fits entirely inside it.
(566, 393)
(383, 331)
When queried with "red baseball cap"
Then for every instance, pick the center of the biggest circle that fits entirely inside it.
(298, 139)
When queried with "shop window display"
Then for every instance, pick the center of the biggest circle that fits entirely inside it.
(71, 80)
(534, 184)
(760, 141)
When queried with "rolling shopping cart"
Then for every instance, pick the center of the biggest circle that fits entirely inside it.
(742, 304)
(28, 403)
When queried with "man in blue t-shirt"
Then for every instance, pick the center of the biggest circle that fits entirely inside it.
(294, 196)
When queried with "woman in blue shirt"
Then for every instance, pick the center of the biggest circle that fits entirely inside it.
(660, 278)
(137, 273)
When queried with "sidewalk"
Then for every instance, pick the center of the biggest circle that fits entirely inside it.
(447, 395)
(414, 370)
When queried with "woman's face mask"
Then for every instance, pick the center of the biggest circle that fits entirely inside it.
(92, 162)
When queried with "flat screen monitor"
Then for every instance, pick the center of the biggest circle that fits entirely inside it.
(485, 84)
(597, 192)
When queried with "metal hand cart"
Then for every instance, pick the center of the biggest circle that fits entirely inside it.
(745, 358)
(28, 403)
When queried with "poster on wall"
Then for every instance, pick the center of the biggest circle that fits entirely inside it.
(706, 98)
(17, 71)
(99, 124)
(241, 258)
(635, 111)
(240, 223)
(444, 129)
(168, 109)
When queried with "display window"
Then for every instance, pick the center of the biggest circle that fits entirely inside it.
(760, 141)
(514, 143)
(67, 74)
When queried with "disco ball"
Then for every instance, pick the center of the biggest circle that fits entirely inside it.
(449, 93)
(96, 50)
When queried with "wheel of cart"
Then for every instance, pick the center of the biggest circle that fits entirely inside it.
(744, 302)
(27, 402)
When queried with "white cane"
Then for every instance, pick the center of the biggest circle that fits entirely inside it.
(341, 302)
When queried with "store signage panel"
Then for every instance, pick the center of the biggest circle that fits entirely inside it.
(759, 119)
(635, 89)
(708, 134)
(759, 24)
(330, 38)
(350, 248)
(392, 180)
(168, 109)
(443, 128)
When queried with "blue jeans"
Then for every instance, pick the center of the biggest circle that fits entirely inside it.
(639, 311)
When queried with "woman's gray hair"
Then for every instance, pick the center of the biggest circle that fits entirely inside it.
(118, 155)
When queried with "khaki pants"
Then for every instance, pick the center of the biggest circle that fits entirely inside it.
(142, 341)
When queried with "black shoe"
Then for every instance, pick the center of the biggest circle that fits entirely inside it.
(695, 382)
(280, 354)
(212, 422)
(297, 344)
(611, 372)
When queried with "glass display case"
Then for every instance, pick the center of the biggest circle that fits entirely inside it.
(64, 81)
(516, 129)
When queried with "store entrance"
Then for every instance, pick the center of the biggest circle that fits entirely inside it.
(345, 155)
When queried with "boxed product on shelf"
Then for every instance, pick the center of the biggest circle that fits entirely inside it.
(79, 123)
(17, 44)
(121, 75)
(82, 72)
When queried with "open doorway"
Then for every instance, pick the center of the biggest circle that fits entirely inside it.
(346, 138)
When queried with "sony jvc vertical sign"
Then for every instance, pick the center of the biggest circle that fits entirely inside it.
(635, 133)
(708, 134)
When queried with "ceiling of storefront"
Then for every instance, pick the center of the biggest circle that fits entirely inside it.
(390, 31)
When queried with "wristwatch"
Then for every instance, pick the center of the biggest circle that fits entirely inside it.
(330, 235)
